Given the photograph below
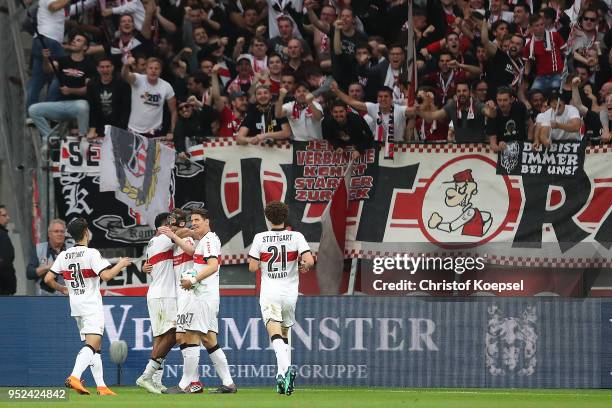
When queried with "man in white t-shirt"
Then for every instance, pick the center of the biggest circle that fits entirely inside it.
(304, 114)
(564, 126)
(82, 268)
(50, 26)
(149, 92)
(390, 118)
(280, 254)
(161, 302)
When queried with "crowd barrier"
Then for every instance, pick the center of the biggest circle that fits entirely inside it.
(341, 341)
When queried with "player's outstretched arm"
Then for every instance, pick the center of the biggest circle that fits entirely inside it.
(110, 273)
(50, 281)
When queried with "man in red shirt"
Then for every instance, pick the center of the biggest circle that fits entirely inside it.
(231, 115)
(445, 79)
(544, 49)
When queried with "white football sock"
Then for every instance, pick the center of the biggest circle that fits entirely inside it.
(150, 369)
(282, 359)
(97, 370)
(83, 360)
(157, 377)
(288, 351)
(191, 361)
(220, 362)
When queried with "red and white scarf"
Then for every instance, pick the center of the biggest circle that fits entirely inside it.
(389, 141)
(470, 113)
(444, 85)
(298, 108)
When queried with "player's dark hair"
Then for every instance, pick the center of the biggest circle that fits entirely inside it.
(201, 212)
(277, 212)
(161, 219)
(77, 227)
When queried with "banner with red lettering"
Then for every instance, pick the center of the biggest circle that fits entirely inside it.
(318, 169)
(427, 199)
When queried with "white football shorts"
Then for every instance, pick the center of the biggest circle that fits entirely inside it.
(162, 312)
(90, 324)
(280, 310)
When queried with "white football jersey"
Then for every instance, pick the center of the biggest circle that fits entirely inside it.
(279, 251)
(81, 266)
(160, 251)
(183, 262)
(208, 247)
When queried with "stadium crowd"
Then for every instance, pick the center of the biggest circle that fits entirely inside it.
(255, 70)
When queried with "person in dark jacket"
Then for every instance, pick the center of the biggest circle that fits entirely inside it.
(8, 281)
(109, 99)
(44, 255)
(343, 129)
(195, 122)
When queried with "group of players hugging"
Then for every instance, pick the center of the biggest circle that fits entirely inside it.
(183, 259)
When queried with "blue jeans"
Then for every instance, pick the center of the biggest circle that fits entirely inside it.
(60, 111)
(547, 83)
(39, 77)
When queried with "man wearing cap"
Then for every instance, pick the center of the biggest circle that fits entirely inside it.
(244, 79)
(195, 122)
(561, 122)
(472, 221)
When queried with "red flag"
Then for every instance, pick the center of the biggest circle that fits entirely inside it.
(330, 260)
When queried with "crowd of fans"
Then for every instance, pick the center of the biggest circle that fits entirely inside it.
(255, 70)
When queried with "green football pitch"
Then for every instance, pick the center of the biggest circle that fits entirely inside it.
(342, 398)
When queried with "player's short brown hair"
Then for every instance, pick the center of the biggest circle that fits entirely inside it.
(201, 212)
(277, 212)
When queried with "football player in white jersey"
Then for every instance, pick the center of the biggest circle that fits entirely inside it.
(280, 254)
(82, 269)
(161, 302)
(198, 314)
(184, 247)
